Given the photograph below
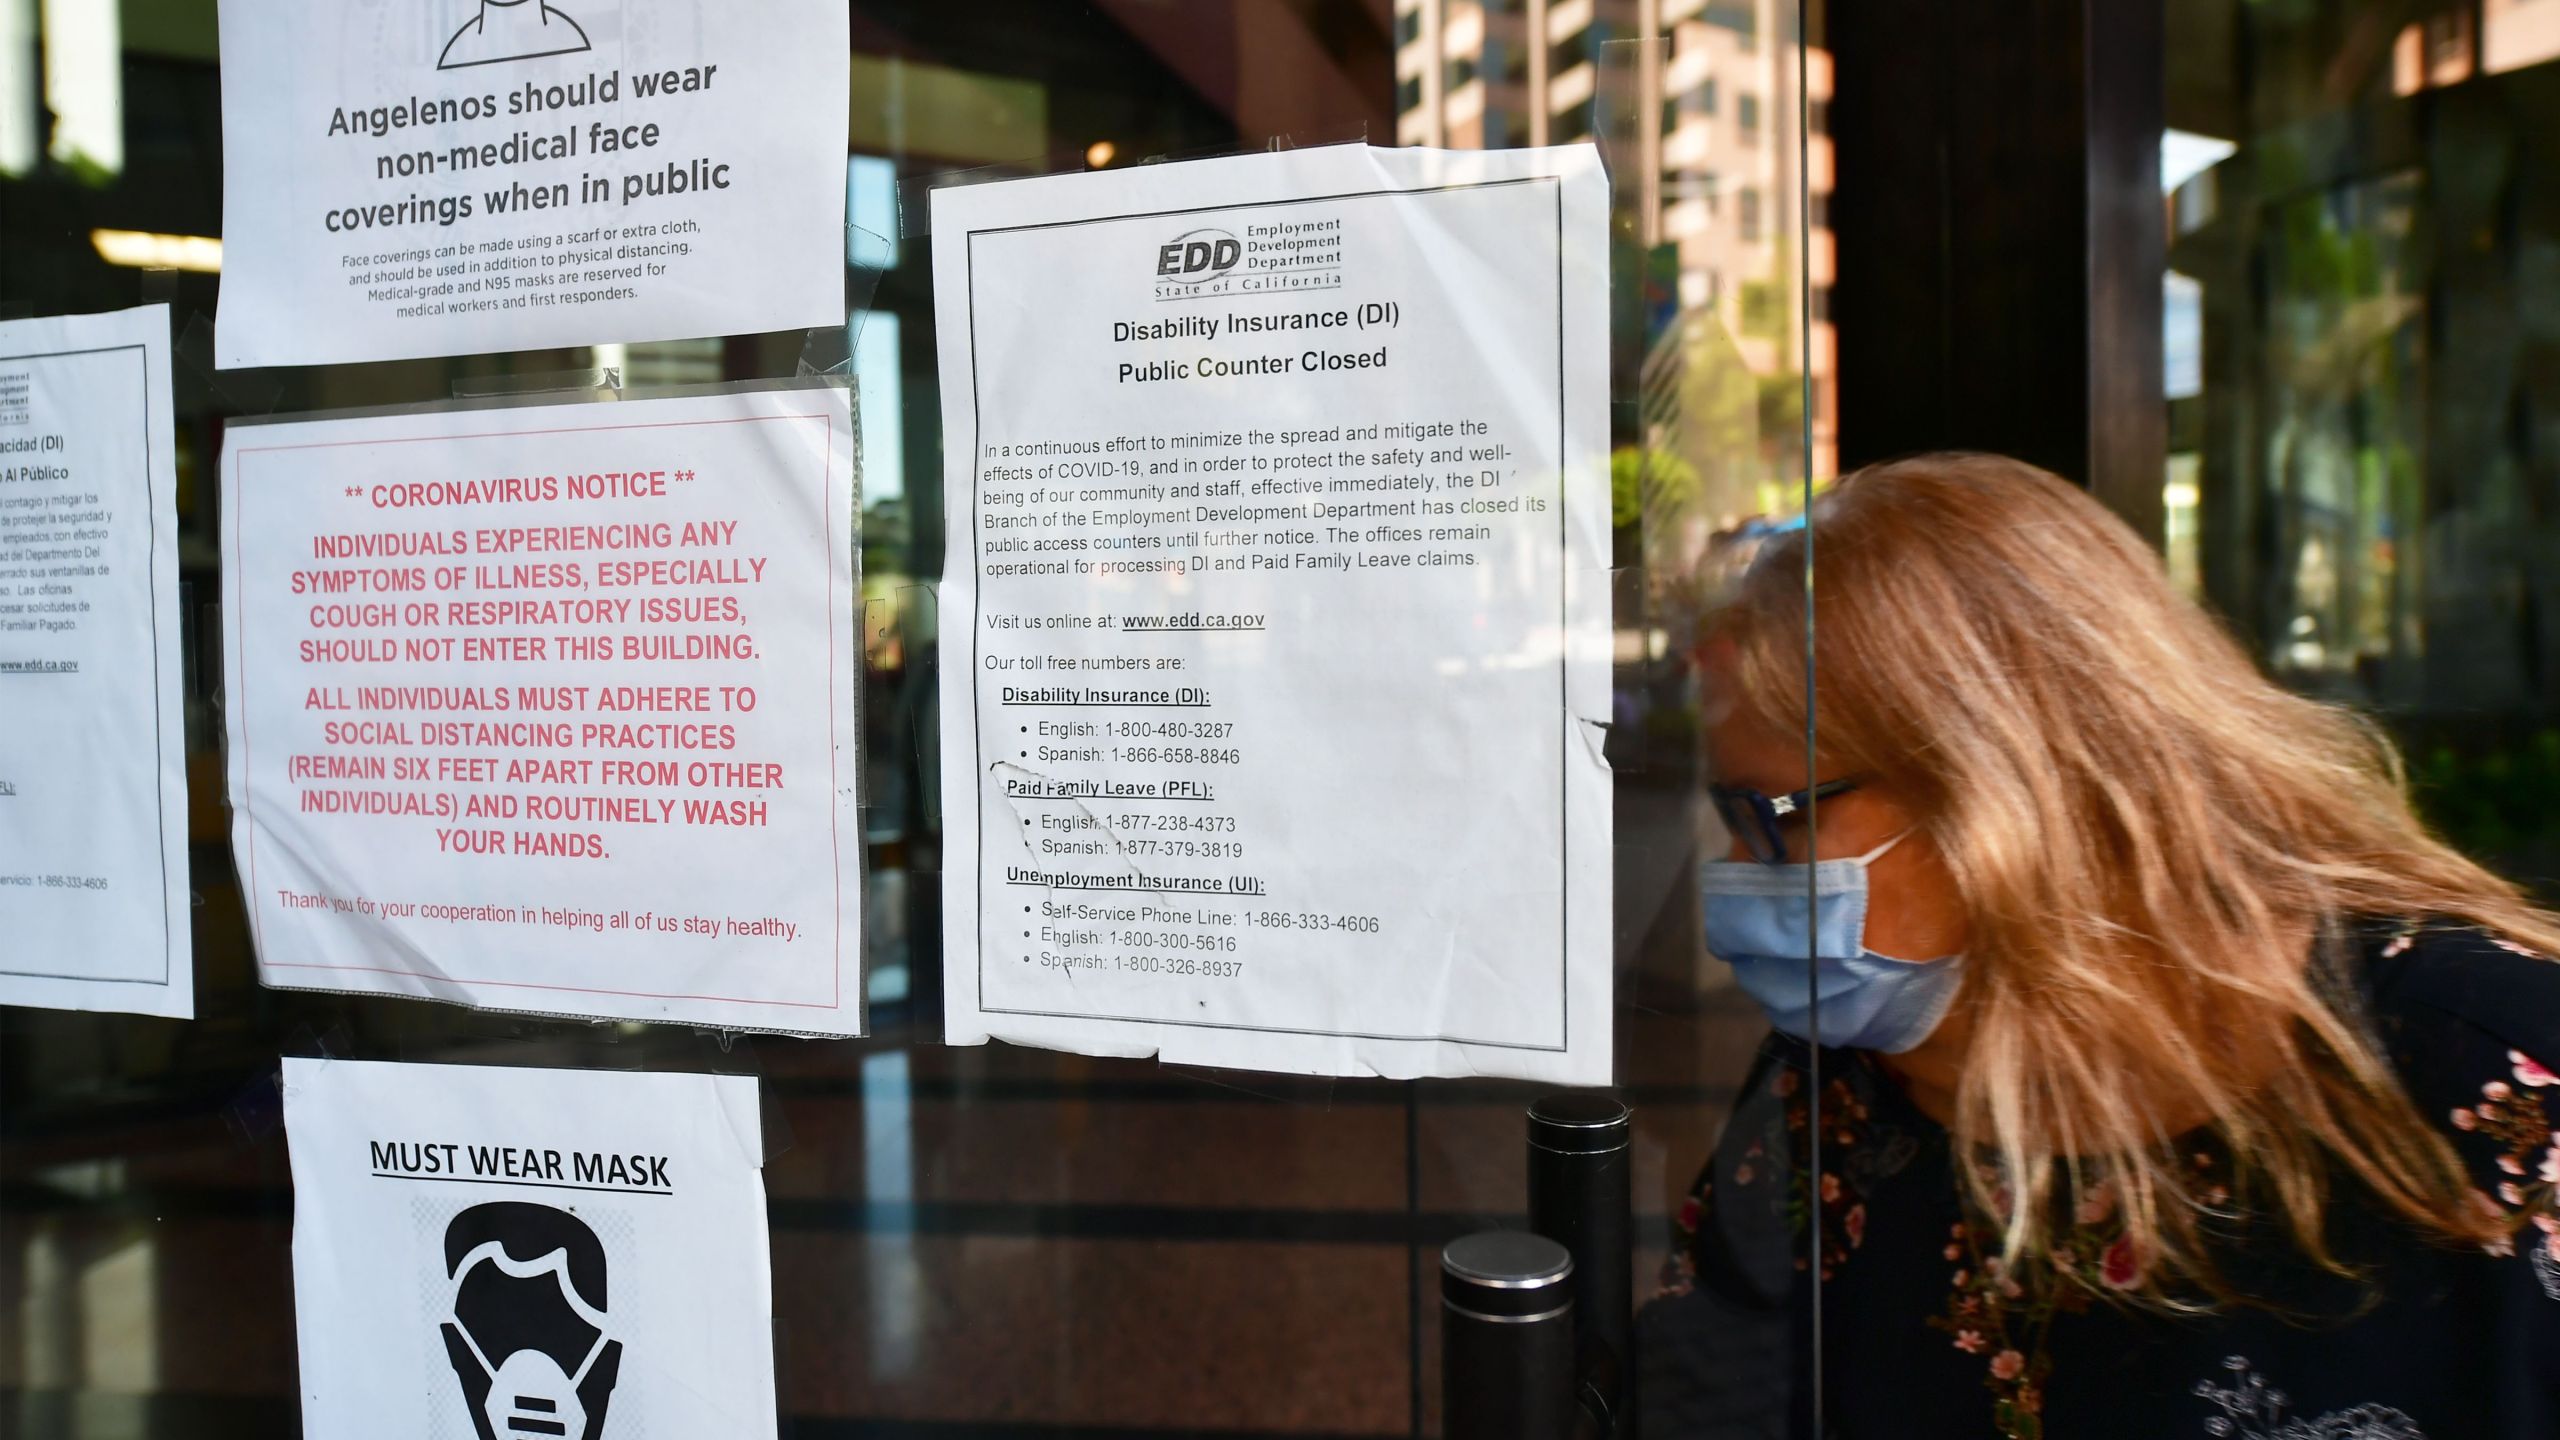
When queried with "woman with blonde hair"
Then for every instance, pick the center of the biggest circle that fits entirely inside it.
(2172, 1079)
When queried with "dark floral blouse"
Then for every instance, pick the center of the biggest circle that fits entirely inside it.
(1922, 1335)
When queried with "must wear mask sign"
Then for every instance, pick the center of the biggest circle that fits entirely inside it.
(493, 1253)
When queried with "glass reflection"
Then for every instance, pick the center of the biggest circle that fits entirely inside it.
(997, 1238)
(2363, 493)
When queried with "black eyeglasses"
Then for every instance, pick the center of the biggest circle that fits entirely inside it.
(1755, 816)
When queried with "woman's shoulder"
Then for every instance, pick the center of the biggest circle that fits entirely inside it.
(2471, 1021)
(2449, 993)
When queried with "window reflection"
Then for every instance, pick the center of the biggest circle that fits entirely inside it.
(892, 1275)
(1719, 145)
(2363, 336)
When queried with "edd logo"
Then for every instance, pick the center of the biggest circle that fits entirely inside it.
(1198, 255)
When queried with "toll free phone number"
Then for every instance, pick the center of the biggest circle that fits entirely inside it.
(1172, 729)
(1302, 920)
(1176, 755)
(1169, 966)
(1185, 849)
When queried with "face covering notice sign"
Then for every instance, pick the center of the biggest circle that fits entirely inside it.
(552, 708)
(1275, 614)
(441, 177)
(487, 1253)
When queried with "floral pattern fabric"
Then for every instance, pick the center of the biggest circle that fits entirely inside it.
(1769, 1169)
(2251, 1409)
(1991, 1313)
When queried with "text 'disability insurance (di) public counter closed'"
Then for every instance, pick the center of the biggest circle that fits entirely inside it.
(1275, 612)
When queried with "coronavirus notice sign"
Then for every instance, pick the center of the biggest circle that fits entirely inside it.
(437, 177)
(552, 708)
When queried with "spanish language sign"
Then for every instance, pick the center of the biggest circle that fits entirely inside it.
(440, 177)
(93, 779)
(553, 708)
(514, 1254)
(1275, 612)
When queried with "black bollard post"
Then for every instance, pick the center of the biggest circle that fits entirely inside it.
(1506, 1338)
(1580, 1196)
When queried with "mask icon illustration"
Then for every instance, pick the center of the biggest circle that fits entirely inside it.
(503, 30)
(527, 1328)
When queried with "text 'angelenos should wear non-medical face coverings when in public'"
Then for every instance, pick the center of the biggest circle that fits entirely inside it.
(458, 176)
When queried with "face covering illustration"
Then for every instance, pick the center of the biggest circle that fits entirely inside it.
(503, 30)
(528, 1333)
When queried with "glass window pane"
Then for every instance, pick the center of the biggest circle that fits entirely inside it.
(972, 1240)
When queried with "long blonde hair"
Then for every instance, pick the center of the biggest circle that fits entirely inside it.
(2160, 854)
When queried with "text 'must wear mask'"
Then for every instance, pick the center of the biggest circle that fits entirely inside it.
(526, 1327)
(1770, 918)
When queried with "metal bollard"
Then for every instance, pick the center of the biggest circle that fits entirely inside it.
(1580, 1196)
(1506, 1338)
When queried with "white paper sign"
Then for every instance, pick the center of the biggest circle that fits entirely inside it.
(442, 177)
(485, 1253)
(553, 708)
(93, 779)
(1275, 612)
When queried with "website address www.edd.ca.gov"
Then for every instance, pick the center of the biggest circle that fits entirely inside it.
(1194, 621)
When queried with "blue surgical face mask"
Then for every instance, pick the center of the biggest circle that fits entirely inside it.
(1768, 921)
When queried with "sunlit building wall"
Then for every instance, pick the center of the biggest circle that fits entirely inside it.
(1723, 186)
